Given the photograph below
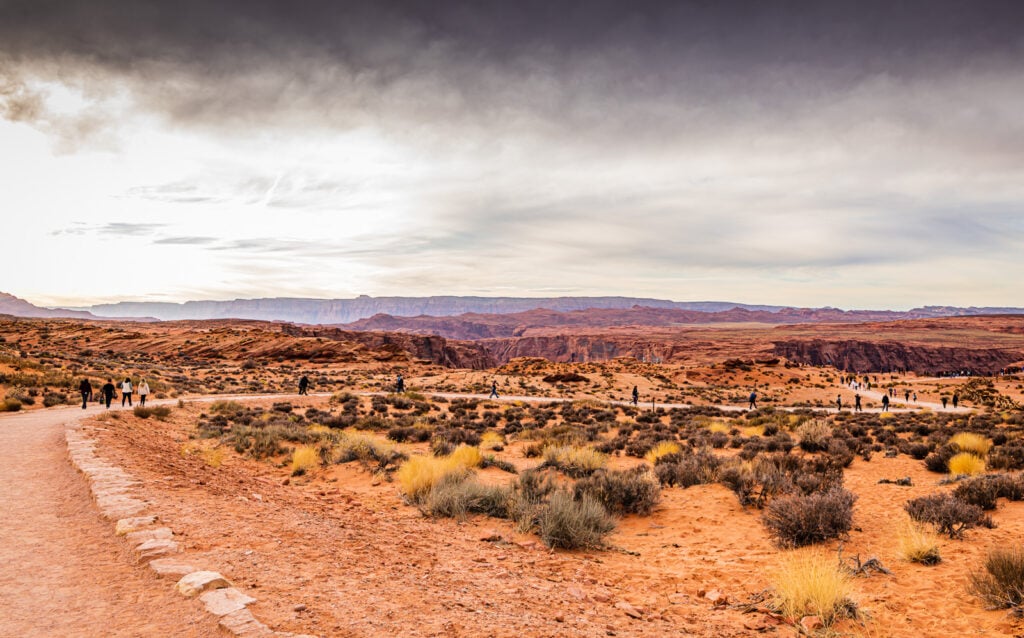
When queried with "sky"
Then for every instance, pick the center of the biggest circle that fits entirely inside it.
(851, 154)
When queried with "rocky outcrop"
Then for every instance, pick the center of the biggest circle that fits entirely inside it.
(867, 356)
(582, 348)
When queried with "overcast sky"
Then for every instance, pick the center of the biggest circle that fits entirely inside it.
(855, 154)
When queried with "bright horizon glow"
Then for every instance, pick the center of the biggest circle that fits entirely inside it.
(435, 159)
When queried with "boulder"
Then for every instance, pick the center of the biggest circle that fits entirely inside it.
(197, 582)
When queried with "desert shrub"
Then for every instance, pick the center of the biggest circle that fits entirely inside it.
(490, 460)
(811, 583)
(567, 523)
(51, 399)
(227, 408)
(970, 442)
(418, 475)
(573, 460)
(965, 464)
(304, 458)
(142, 412)
(1001, 583)
(160, 412)
(948, 514)
(840, 452)
(412, 433)
(529, 492)
(10, 405)
(918, 544)
(634, 491)
(663, 448)
(814, 435)
(938, 461)
(1010, 457)
(918, 451)
(794, 521)
(984, 491)
(467, 456)
(458, 495)
(445, 441)
(357, 446)
(492, 441)
(684, 471)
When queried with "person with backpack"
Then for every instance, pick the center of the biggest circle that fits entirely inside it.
(753, 400)
(856, 403)
(304, 385)
(126, 392)
(885, 403)
(636, 395)
(399, 384)
(107, 391)
(494, 390)
(956, 400)
(143, 392)
(839, 403)
(86, 389)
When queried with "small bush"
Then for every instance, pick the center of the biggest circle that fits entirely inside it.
(10, 405)
(984, 491)
(810, 583)
(634, 491)
(970, 442)
(685, 471)
(568, 523)
(948, 514)
(467, 456)
(457, 495)
(664, 448)
(966, 464)
(574, 461)
(814, 436)
(357, 446)
(918, 451)
(304, 458)
(51, 399)
(419, 474)
(919, 545)
(160, 412)
(799, 520)
(492, 441)
(505, 466)
(1001, 584)
(938, 461)
(142, 412)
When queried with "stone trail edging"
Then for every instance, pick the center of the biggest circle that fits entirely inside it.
(118, 498)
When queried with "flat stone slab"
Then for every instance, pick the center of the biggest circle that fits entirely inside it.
(197, 582)
(126, 525)
(141, 536)
(171, 567)
(221, 602)
(155, 549)
(243, 623)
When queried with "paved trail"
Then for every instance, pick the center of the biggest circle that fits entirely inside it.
(64, 572)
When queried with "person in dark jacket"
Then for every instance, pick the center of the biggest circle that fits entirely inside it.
(753, 401)
(885, 403)
(108, 391)
(956, 400)
(494, 390)
(304, 385)
(86, 389)
(636, 395)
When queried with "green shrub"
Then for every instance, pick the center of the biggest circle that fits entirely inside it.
(1001, 584)
(458, 495)
(568, 523)
(795, 521)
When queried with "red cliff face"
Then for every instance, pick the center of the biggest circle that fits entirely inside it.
(866, 356)
(582, 348)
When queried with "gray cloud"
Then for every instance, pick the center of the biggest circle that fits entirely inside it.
(185, 241)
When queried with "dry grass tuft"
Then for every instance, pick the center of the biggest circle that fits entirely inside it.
(663, 448)
(574, 461)
(919, 544)
(810, 583)
(970, 442)
(419, 474)
(467, 456)
(966, 464)
(213, 457)
(304, 458)
(1001, 584)
(491, 440)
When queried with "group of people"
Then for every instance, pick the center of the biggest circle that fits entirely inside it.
(108, 392)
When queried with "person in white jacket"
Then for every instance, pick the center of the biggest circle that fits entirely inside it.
(126, 392)
(143, 391)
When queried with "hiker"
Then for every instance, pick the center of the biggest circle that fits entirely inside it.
(494, 390)
(956, 400)
(839, 403)
(399, 384)
(304, 385)
(885, 403)
(86, 389)
(126, 392)
(107, 391)
(143, 392)
(856, 403)
(753, 400)
(636, 396)
(906, 396)
(915, 397)
(944, 400)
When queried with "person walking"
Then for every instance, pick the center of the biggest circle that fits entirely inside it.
(839, 403)
(956, 400)
(753, 400)
(143, 392)
(944, 400)
(494, 390)
(399, 384)
(856, 403)
(304, 385)
(915, 397)
(86, 389)
(126, 392)
(906, 396)
(108, 391)
(885, 403)
(636, 395)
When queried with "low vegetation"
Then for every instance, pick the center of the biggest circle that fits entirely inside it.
(1000, 581)
(811, 583)
(919, 544)
(798, 520)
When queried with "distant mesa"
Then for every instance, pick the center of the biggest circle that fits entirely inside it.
(17, 307)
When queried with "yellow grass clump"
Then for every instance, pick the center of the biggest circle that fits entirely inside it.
(575, 460)
(467, 456)
(885, 416)
(810, 583)
(970, 442)
(213, 457)
(753, 430)
(718, 426)
(966, 464)
(419, 474)
(918, 544)
(353, 445)
(663, 448)
(491, 439)
(304, 458)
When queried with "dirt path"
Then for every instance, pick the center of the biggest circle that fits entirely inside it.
(65, 573)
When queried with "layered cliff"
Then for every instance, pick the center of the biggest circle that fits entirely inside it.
(856, 355)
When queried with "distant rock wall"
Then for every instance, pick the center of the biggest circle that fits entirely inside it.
(569, 348)
(866, 356)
